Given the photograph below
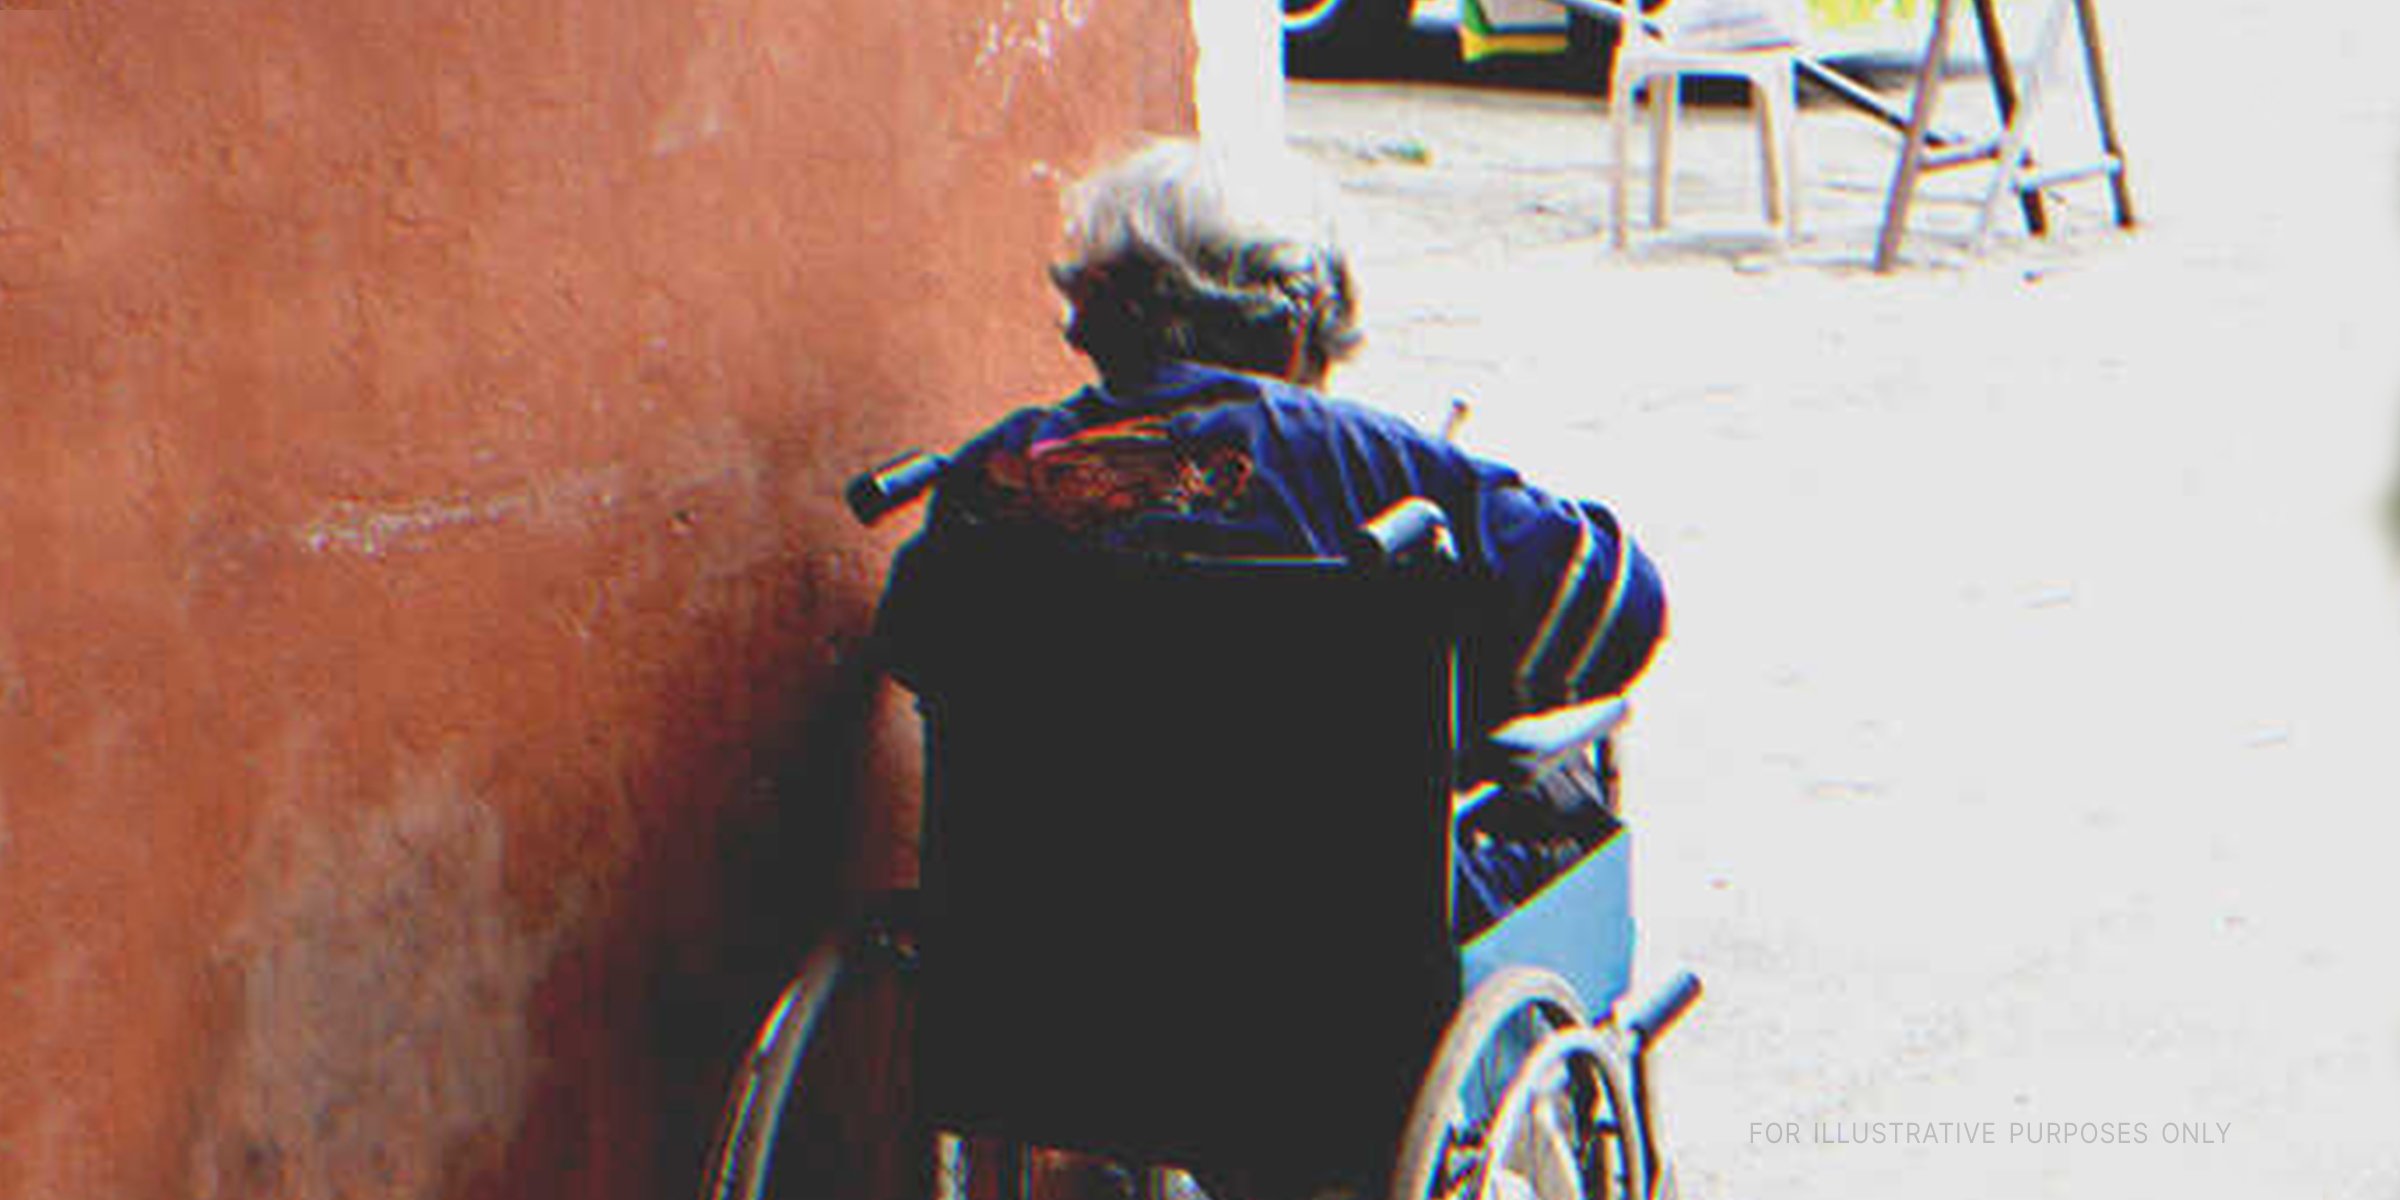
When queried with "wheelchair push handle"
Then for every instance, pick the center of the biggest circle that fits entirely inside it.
(1402, 530)
(890, 487)
(1652, 1020)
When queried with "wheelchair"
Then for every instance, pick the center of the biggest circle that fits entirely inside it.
(1186, 895)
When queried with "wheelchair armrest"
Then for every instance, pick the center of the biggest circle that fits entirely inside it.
(889, 487)
(1526, 748)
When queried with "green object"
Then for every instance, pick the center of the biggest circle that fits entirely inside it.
(1479, 38)
(1849, 14)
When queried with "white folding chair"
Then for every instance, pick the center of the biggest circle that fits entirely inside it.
(1752, 40)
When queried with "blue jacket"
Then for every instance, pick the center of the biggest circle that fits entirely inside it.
(1200, 459)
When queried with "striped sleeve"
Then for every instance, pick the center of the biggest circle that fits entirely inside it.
(1587, 600)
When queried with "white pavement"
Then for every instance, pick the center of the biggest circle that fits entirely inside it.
(2025, 749)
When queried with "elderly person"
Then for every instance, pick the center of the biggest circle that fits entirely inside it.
(1212, 296)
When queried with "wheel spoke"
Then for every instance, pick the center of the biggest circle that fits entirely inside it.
(1525, 1120)
(1445, 1151)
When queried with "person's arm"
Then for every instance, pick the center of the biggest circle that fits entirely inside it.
(1586, 608)
(1579, 609)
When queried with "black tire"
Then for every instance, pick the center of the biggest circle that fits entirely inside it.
(1337, 36)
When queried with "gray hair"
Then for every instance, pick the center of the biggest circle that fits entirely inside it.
(1188, 251)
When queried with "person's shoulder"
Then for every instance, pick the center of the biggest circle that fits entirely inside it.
(1337, 412)
(1027, 424)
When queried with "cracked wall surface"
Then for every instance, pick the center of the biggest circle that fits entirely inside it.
(431, 715)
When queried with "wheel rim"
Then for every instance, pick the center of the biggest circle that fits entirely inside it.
(1504, 1020)
(1598, 1156)
(754, 1111)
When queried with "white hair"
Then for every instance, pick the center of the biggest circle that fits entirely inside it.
(1185, 250)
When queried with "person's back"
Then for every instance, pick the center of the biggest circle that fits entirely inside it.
(1214, 298)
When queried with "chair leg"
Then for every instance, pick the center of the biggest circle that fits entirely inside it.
(1913, 144)
(1780, 99)
(1791, 152)
(1769, 120)
(1620, 123)
(1666, 99)
(2009, 163)
(2104, 112)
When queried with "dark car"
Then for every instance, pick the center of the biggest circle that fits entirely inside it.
(1347, 38)
(1333, 33)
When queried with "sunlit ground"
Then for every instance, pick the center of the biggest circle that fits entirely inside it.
(2023, 753)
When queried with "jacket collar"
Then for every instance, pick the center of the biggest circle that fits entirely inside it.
(1175, 383)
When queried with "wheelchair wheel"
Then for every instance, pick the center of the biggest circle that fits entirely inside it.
(1566, 1128)
(1558, 1123)
(737, 1167)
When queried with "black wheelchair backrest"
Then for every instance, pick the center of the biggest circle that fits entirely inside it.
(1186, 851)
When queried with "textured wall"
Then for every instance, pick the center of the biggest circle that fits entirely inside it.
(427, 712)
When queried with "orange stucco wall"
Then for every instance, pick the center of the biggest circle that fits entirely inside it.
(428, 694)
